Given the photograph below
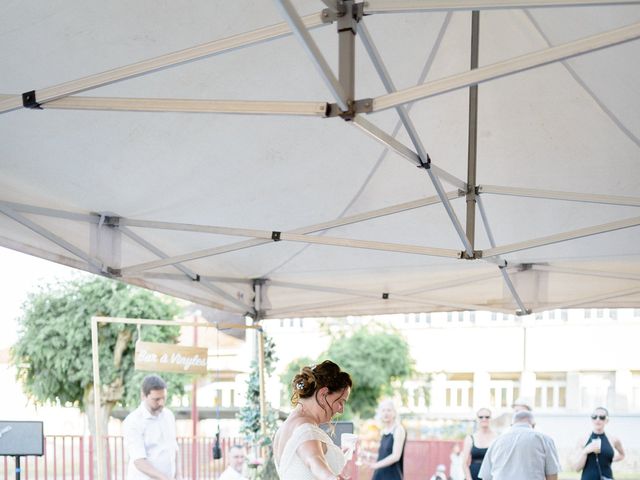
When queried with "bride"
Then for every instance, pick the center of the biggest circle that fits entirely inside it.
(303, 451)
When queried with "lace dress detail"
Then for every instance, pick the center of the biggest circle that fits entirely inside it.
(291, 466)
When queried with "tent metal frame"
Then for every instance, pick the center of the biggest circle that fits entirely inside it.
(348, 15)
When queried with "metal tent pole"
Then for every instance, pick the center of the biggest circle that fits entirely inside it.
(257, 301)
(95, 360)
(300, 31)
(472, 152)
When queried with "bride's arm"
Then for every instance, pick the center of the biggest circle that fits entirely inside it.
(313, 456)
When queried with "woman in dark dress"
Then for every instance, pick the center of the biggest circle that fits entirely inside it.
(391, 451)
(599, 451)
(476, 445)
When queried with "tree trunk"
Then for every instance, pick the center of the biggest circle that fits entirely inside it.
(110, 395)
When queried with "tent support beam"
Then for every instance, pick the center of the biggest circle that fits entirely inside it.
(597, 298)
(386, 139)
(508, 67)
(242, 107)
(376, 296)
(79, 265)
(52, 237)
(389, 140)
(561, 237)
(502, 264)
(408, 124)
(279, 313)
(312, 228)
(404, 151)
(347, 24)
(558, 195)
(588, 273)
(228, 44)
(400, 6)
(472, 140)
(300, 32)
(186, 278)
(50, 212)
(190, 274)
(283, 236)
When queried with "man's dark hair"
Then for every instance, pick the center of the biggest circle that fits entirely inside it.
(152, 382)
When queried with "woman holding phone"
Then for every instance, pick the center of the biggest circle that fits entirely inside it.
(599, 451)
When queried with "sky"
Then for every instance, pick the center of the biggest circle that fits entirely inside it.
(22, 274)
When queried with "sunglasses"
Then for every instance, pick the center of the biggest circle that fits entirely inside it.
(601, 417)
(484, 417)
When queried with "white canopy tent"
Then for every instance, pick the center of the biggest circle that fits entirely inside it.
(243, 169)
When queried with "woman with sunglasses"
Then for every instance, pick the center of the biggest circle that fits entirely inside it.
(476, 445)
(599, 451)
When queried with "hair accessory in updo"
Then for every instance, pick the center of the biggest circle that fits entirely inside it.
(307, 382)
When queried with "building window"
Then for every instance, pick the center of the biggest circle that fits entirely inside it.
(501, 393)
(458, 394)
(595, 389)
(551, 391)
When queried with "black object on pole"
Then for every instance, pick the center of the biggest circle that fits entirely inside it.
(217, 451)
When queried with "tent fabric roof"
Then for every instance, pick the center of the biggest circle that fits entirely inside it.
(187, 200)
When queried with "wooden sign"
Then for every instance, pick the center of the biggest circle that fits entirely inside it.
(164, 357)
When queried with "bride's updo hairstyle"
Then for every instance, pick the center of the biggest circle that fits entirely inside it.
(311, 379)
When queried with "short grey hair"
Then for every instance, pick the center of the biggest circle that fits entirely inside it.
(152, 382)
(523, 416)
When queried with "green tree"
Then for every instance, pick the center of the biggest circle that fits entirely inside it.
(375, 360)
(249, 415)
(53, 351)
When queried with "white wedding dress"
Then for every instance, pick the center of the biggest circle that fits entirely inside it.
(291, 466)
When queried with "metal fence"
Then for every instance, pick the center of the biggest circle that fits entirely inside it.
(72, 457)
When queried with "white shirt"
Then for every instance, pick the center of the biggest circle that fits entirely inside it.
(231, 474)
(152, 437)
(520, 453)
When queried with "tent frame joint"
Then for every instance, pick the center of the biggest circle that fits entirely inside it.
(427, 165)
(29, 100)
(364, 105)
(110, 220)
(113, 272)
(477, 254)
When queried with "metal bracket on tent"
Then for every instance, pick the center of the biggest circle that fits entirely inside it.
(29, 100)
(275, 236)
(196, 278)
(477, 254)
(330, 15)
(426, 165)
(110, 220)
(114, 272)
(364, 105)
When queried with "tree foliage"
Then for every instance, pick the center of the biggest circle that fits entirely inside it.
(53, 351)
(374, 359)
(249, 415)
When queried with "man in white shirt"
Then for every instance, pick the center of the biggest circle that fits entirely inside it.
(236, 463)
(150, 435)
(521, 453)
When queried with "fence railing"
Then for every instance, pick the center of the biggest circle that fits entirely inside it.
(70, 457)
